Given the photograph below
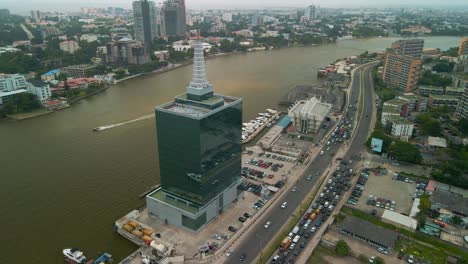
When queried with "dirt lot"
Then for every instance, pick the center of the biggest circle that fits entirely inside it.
(387, 188)
(359, 247)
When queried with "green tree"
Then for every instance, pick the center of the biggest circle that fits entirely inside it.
(379, 260)
(432, 128)
(452, 52)
(342, 249)
(457, 220)
(444, 66)
(406, 152)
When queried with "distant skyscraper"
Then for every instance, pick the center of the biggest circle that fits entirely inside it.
(199, 145)
(125, 52)
(36, 15)
(4, 14)
(310, 13)
(257, 20)
(145, 21)
(173, 15)
(227, 17)
(409, 47)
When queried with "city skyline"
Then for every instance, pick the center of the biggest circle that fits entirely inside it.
(56, 5)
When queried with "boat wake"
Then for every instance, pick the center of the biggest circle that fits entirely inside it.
(101, 128)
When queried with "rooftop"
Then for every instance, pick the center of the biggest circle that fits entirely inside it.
(370, 231)
(431, 87)
(185, 106)
(437, 142)
(398, 120)
(395, 102)
(312, 107)
(454, 202)
(390, 109)
(2, 94)
(52, 72)
(443, 97)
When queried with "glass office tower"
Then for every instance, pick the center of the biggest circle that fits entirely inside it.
(199, 145)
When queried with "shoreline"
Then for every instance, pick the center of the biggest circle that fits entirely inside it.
(190, 62)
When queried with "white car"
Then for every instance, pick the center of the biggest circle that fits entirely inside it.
(321, 153)
(313, 229)
(267, 224)
(371, 259)
(284, 205)
(321, 195)
(294, 189)
(410, 259)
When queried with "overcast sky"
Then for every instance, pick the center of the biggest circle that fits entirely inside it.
(23, 6)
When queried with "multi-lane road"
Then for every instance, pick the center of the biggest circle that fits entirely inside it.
(258, 236)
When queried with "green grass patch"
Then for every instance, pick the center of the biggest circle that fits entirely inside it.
(423, 252)
(444, 247)
(319, 252)
(287, 228)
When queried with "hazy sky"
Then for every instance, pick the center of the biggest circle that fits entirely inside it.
(23, 6)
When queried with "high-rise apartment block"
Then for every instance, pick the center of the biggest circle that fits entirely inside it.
(126, 52)
(145, 21)
(463, 48)
(401, 72)
(310, 13)
(199, 145)
(409, 47)
(173, 18)
(462, 110)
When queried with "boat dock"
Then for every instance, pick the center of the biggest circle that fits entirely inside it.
(254, 127)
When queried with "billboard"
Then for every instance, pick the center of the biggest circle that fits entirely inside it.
(376, 145)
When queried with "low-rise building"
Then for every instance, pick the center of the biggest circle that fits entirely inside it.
(435, 143)
(387, 112)
(79, 71)
(376, 236)
(40, 89)
(89, 37)
(398, 104)
(426, 90)
(162, 55)
(50, 75)
(415, 102)
(440, 100)
(450, 201)
(307, 116)
(399, 126)
(69, 46)
(455, 91)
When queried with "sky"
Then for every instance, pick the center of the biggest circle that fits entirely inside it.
(23, 6)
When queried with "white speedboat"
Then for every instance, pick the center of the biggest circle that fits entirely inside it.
(75, 255)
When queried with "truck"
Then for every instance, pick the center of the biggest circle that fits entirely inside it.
(285, 243)
(312, 216)
(295, 230)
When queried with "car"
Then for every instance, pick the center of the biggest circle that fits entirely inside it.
(284, 205)
(291, 247)
(382, 250)
(371, 259)
(296, 253)
(306, 226)
(229, 253)
(275, 259)
(322, 195)
(410, 259)
(242, 219)
(232, 229)
(294, 189)
(267, 224)
(313, 229)
(309, 177)
(247, 215)
(321, 153)
(242, 257)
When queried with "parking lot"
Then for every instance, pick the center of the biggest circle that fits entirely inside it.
(386, 188)
(266, 167)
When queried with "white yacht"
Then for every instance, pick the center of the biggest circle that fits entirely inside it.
(75, 255)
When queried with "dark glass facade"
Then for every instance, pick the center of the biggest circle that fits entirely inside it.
(199, 157)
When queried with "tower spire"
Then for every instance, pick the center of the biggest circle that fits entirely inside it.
(199, 86)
